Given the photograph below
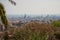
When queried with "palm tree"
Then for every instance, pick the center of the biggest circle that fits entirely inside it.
(4, 18)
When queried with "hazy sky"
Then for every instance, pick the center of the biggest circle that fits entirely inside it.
(32, 7)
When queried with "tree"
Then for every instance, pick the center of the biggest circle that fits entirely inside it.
(4, 18)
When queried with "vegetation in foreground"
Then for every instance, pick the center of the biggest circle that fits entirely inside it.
(56, 23)
(34, 31)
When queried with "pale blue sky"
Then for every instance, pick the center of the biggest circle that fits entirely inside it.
(32, 7)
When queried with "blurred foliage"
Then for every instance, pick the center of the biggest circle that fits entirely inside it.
(32, 31)
(12, 2)
(57, 35)
(56, 23)
(4, 20)
(29, 35)
(2, 15)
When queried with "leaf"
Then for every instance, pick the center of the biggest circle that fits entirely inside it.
(12, 2)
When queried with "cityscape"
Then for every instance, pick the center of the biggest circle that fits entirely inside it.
(29, 19)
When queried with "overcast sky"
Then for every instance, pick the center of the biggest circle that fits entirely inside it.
(32, 7)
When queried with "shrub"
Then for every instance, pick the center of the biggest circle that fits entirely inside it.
(32, 31)
(57, 35)
(56, 23)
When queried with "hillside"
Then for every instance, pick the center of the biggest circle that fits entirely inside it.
(33, 31)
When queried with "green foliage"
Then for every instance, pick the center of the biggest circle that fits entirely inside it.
(2, 15)
(32, 31)
(29, 35)
(1, 6)
(4, 20)
(56, 23)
